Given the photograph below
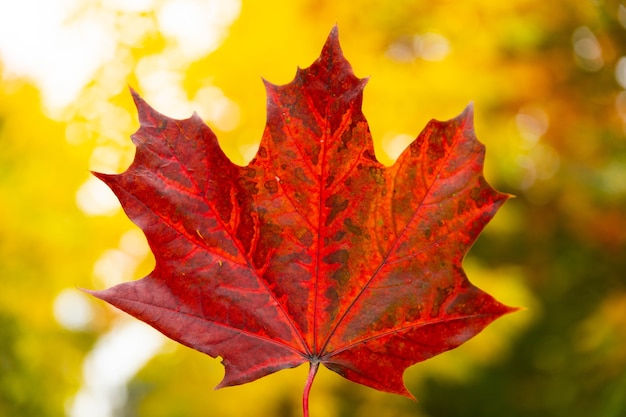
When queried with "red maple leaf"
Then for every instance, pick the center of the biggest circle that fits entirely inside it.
(315, 251)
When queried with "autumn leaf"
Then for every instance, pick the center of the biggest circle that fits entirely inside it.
(315, 251)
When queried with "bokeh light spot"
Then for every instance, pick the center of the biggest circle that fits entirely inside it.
(73, 310)
(587, 50)
(96, 199)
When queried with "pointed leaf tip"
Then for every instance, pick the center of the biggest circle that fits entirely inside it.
(332, 47)
(143, 108)
(136, 97)
(334, 34)
(468, 115)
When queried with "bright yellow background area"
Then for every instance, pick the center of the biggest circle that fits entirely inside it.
(547, 80)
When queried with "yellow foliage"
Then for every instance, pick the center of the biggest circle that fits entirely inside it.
(549, 117)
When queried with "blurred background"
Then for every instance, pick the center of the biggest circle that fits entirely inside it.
(548, 81)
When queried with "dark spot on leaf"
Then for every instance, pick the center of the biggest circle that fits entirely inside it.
(388, 319)
(338, 257)
(414, 313)
(333, 301)
(250, 187)
(346, 138)
(271, 186)
(415, 148)
(271, 237)
(250, 172)
(352, 227)
(440, 298)
(461, 207)
(224, 208)
(436, 149)
(245, 233)
(336, 204)
(339, 235)
(377, 174)
(262, 152)
(299, 173)
(462, 303)
(342, 275)
(291, 258)
(315, 154)
(306, 238)
(329, 181)
(480, 194)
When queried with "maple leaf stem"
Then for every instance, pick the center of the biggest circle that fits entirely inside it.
(307, 388)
